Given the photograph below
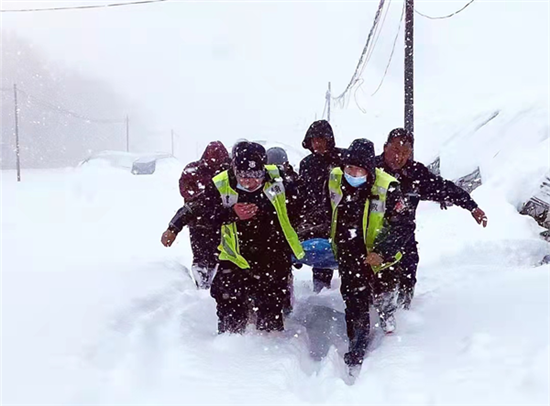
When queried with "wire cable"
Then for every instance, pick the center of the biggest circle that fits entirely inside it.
(377, 33)
(442, 17)
(324, 109)
(69, 112)
(362, 59)
(361, 81)
(83, 7)
(392, 50)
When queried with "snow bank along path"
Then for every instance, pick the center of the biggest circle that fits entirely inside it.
(96, 311)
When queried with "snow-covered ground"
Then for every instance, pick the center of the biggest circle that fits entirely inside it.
(96, 311)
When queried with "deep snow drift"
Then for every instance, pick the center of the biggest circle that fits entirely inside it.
(96, 311)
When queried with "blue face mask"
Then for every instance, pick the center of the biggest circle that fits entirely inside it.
(355, 181)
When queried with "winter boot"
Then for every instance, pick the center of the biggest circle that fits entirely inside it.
(235, 324)
(288, 298)
(386, 306)
(203, 276)
(359, 341)
(353, 358)
(272, 321)
(405, 298)
(387, 323)
(321, 279)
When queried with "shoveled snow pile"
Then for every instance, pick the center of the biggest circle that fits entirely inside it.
(96, 311)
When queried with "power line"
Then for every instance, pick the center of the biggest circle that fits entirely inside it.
(377, 33)
(392, 50)
(442, 17)
(365, 54)
(69, 112)
(83, 7)
(355, 96)
(362, 59)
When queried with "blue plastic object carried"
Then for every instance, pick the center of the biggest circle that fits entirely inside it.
(318, 254)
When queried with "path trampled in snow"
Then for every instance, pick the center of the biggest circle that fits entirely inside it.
(96, 311)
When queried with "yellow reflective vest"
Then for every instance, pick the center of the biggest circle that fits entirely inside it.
(275, 192)
(373, 214)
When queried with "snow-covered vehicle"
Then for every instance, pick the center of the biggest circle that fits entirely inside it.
(147, 165)
(136, 163)
(116, 159)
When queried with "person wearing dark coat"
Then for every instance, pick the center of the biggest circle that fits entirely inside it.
(278, 156)
(204, 237)
(418, 183)
(314, 171)
(255, 209)
(367, 200)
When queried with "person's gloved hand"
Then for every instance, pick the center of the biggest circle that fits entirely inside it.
(374, 259)
(168, 238)
(480, 216)
(245, 211)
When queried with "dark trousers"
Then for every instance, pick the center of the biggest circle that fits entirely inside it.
(204, 244)
(360, 288)
(288, 300)
(260, 291)
(385, 286)
(321, 279)
(409, 265)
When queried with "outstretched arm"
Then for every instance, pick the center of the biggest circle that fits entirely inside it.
(435, 188)
(207, 208)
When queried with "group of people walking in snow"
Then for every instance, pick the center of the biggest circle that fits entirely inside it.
(250, 218)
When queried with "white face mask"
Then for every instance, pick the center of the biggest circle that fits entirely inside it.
(241, 187)
(355, 181)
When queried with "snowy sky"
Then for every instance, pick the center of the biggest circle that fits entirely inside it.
(259, 70)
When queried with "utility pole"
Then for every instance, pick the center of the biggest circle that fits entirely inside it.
(329, 97)
(17, 150)
(127, 134)
(172, 136)
(409, 66)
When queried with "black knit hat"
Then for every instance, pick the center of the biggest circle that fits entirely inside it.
(276, 156)
(360, 153)
(405, 135)
(249, 157)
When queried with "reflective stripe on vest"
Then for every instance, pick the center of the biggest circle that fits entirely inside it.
(275, 192)
(373, 213)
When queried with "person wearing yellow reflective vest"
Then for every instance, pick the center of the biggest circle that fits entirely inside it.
(365, 243)
(258, 240)
(257, 210)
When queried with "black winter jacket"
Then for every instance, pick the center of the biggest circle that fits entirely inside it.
(260, 236)
(349, 231)
(418, 183)
(314, 173)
